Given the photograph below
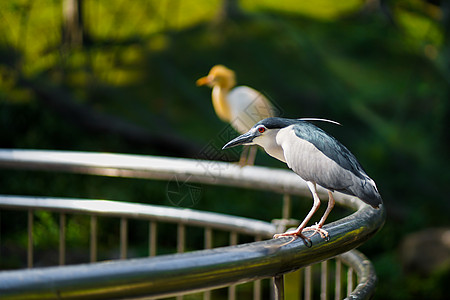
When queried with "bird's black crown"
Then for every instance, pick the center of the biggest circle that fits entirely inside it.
(277, 123)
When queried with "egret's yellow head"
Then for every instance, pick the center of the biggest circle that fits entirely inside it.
(219, 75)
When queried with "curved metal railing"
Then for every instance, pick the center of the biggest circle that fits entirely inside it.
(187, 272)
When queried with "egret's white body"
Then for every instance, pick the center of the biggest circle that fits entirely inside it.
(239, 106)
(247, 106)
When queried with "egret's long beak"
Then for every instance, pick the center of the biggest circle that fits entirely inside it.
(204, 80)
(244, 139)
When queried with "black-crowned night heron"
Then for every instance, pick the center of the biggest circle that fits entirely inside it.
(240, 106)
(315, 156)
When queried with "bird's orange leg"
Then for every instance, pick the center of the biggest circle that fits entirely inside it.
(251, 155)
(318, 227)
(298, 231)
(243, 158)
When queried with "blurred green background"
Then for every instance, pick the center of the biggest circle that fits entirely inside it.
(120, 77)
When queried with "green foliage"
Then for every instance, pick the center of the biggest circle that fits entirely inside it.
(380, 72)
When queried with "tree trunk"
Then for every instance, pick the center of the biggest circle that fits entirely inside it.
(72, 23)
(230, 10)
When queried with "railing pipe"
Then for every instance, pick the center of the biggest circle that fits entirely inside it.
(171, 274)
(367, 278)
(140, 211)
(188, 272)
(159, 168)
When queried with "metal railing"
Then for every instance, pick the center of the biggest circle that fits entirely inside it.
(168, 275)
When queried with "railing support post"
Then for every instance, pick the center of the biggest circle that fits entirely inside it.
(123, 238)
(30, 239)
(278, 287)
(62, 239)
(93, 239)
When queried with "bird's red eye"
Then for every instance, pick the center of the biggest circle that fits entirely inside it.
(261, 129)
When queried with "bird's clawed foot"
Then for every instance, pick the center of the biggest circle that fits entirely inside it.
(294, 234)
(318, 229)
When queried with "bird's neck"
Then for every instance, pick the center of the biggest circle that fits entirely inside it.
(220, 103)
(275, 151)
(270, 144)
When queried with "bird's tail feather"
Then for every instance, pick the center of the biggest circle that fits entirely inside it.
(368, 192)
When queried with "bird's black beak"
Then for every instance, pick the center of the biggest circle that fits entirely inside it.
(244, 139)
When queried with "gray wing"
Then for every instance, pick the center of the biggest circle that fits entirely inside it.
(316, 156)
(330, 147)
